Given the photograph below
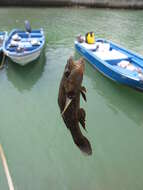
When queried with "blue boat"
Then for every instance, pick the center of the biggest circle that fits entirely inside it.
(113, 61)
(23, 47)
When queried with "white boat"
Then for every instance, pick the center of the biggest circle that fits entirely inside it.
(23, 47)
(3, 37)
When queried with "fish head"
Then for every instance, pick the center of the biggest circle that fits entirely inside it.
(72, 80)
(73, 76)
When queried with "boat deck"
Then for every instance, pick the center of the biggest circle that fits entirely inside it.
(116, 59)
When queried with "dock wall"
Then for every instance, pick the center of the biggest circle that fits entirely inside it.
(137, 4)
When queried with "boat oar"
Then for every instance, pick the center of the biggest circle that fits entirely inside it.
(3, 61)
(7, 173)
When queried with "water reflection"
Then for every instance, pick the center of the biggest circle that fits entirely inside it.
(116, 96)
(24, 78)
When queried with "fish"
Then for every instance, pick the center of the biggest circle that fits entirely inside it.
(70, 90)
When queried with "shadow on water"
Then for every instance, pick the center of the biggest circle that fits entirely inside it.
(117, 97)
(24, 78)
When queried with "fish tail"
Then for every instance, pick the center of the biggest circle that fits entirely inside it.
(81, 141)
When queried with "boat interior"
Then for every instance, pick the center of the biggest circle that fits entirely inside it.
(21, 41)
(116, 57)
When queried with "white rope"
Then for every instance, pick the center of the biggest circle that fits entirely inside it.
(3, 61)
(7, 173)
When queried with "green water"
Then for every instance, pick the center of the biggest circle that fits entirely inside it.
(39, 149)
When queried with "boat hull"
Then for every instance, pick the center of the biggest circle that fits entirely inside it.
(24, 60)
(106, 71)
(4, 35)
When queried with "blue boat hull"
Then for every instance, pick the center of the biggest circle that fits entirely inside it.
(106, 71)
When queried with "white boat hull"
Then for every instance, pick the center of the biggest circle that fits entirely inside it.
(25, 59)
(23, 48)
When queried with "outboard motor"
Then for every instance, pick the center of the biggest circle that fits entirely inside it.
(27, 26)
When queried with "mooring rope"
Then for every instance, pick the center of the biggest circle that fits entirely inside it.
(3, 61)
(7, 173)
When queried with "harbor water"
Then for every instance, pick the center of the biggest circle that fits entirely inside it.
(39, 149)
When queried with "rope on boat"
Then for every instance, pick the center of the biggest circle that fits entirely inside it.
(7, 173)
(3, 61)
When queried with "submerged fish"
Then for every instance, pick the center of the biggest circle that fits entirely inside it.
(69, 102)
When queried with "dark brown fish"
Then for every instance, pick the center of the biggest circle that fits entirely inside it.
(69, 102)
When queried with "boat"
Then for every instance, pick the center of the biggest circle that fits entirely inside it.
(23, 47)
(113, 61)
(3, 37)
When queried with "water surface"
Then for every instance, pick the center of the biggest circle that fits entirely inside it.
(38, 147)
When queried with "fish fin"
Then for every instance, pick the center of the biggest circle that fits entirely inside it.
(84, 96)
(84, 145)
(81, 141)
(83, 91)
(68, 102)
(81, 117)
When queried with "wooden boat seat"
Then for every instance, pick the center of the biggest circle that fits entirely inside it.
(110, 55)
(29, 39)
(33, 35)
(101, 46)
(13, 49)
(89, 46)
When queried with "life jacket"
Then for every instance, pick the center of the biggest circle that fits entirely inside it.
(90, 38)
